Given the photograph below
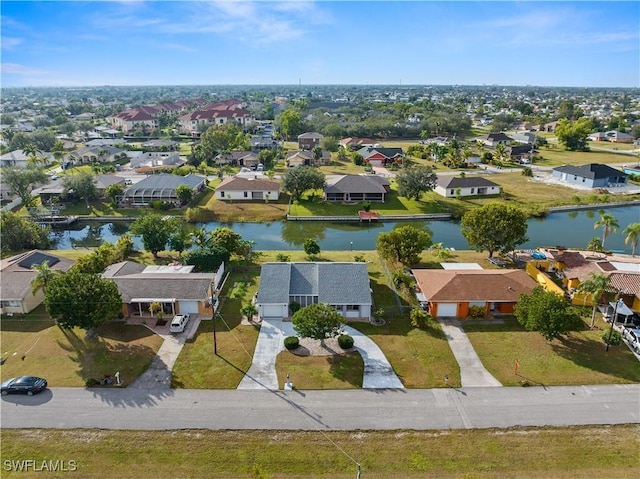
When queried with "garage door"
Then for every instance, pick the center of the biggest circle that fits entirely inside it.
(273, 311)
(189, 307)
(447, 310)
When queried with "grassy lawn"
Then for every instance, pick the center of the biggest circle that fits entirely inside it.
(211, 209)
(320, 372)
(555, 155)
(573, 452)
(580, 358)
(197, 367)
(67, 358)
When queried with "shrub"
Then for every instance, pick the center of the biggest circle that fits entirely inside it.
(291, 342)
(345, 341)
(294, 307)
(420, 319)
(283, 258)
(366, 205)
(359, 258)
(616, 338)
(477, 311)
(91, 383)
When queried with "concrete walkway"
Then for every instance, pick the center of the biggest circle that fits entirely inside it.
(472, 372)
(378, 373)
(158, 376)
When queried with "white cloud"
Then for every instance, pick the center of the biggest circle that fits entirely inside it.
(18, 69)
(9, 43)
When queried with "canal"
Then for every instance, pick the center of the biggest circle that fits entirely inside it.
(570, 229)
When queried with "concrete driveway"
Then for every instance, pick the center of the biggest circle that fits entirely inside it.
(378, 373)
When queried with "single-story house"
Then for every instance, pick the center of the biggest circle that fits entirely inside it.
(157, 159)
(175, 287)
(613, 136)
(160, 145)
(160, 187)
(345, 286)
(104, 181)
(495, 139)
(98, 154)
(237, 158)
(450, 293)
(21, 159)
(547, 127)
(447, 186)
(103, 142)
(309, 140)
(356, 188)
(593, 175)
(307, 158)
(261, 142)
(241, 188)
(378, 156)
(353, 143)
(16, 274)
(518, 152)
(527, 138)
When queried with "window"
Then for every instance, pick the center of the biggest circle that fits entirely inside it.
(472, 190)
(353, 307)
(10, 304)
(453, 192)
(246, 194)
(222, 194)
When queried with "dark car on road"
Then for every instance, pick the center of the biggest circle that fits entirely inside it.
(25, 384)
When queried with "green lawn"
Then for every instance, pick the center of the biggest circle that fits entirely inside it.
(67, 358)
(343, 371)
(580, 358)
(552, 453)
(555, 155)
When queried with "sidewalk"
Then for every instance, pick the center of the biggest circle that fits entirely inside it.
(472, 372)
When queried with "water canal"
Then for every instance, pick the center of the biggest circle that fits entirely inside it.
(571, 229)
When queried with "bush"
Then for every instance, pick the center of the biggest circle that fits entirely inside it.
(345, 341)
(420, 319)
(291, 342)
(91, 383)
(477, 311)
(283, 258)
(616, 338)
(366, 205)
(294, 307)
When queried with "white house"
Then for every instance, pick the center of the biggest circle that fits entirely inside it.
(242, 188)
(452, 186)
(345, 286)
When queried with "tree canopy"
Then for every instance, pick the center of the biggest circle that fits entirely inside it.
(311, 247)
(298, 180)
(317, 321)
(597, 285)
(573, 135)
(81, 186)
(416, 180)
(547, 313)
(403, 244)
(608, 223)
(289, 123)
(155, 231)
(18, 233)
(84, 300)
(21, 181)
(221, 139)
(633, 233)
(495, 227)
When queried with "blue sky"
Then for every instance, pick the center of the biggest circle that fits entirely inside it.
(359, 42)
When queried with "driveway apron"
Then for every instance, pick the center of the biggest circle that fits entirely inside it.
(472, 372)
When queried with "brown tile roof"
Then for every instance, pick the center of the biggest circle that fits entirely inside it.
(628, 283)
(473, 285)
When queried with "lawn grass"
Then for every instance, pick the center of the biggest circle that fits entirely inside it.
(554, 155)
(580, 358)
(67, 358)
(343, 371)
(230, 211)
(583, 452)
(197, 367)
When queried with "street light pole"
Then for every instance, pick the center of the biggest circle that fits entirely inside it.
(213, 319)
(351, 243)
(613, 320)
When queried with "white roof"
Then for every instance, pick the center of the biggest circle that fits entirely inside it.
(626, 266)
(460, 266)
(182, 269)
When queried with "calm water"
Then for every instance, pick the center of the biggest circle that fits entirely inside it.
(571, 229)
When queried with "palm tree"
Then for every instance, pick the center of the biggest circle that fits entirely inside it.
(58, 150)
(597, 284)
(609, 224)
(43, 277)
(633, 232)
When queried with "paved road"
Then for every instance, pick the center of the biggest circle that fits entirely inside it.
(383, 409)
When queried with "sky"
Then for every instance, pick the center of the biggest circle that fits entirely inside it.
(90, 43)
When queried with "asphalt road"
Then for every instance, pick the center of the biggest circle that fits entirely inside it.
(69, 408)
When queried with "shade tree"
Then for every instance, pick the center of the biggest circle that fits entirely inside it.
(495, 227)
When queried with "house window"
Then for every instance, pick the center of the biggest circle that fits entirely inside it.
(353, 307)
(583, 180)
(246, 194)
(10, 303)
(222, 194)
(453, 192)
(472, 190)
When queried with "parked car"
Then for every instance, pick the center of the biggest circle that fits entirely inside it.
(633, 336)
(24, 384)
(178, 323)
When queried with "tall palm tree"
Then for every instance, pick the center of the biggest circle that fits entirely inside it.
(596, 284)
(43, 277)
(609, 224)
(633, 233)
(58, 150)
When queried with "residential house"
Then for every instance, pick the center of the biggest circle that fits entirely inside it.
(519, 152)
(254, 188)
(356, 188)
(160, 187)
(345, 286)
(157, 159)
(548, 127)
(16, 274)
(611, 136)
(237, 158)
(310, 140)
(143, 117)
(454, 186)
(451, 293)
(104, 181)
(495, 139)
(307, 158)
(104, 142)
(21, 159)
(95, 154)
(593, 175)
(352, 143)
(176, 287)
(379, 156)
(527, 138)
(160, 145)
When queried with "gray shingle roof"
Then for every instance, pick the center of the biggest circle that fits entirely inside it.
(592, 171)
(164, 181)
(333, 283)
(15, 280)
(356, 184)
(466, 182)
